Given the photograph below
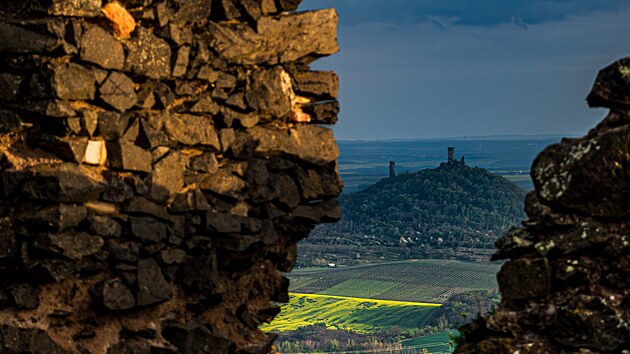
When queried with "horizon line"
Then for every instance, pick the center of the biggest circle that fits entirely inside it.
(466, 137)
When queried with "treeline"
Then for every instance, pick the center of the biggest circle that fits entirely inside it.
(462, 308)
(450, 206)
(317, 338)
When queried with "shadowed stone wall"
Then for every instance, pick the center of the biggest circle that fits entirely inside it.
(159, 160)
(566, 284)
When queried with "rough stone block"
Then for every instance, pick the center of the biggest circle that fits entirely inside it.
(8, 243)
(326, 211)
(152, 287)
(52, 270)
(113, 294)
(72, 82)
(289, 5)
(118, 91)
(525, 278)
(589, 174)
(104, 226)
(309, 143)
(224, 223)
(150, 137)
(181, 63)
(9, 121)
(95, 153)
(194, 338)
(143, 206)
(110, 125)
(323, 113)
(285, 191)
(10, 87)
(269, 92)
(148, 229)
(71, 149)
(200, 274)
(179, 34)
(168, 176)
(589, 322)
(148, 55)
(226, 10)
(164, 95)
(206, 162)
(25, 296)
(89, 121)
(28, 340)
(252, 8)
(65, 182)
(319, 84)
(192, 200)
(127, 156)
(268, 6)
(172, 256)
(25, 38)
(124, 252)
(190, 11)
(192, 130)
(99, 47)
(52, 218)
(120, 19)
(71, 244)
(75, 8)
(304, 36)
(50, 108)
(319, 184)
(225, 183)
(612, 86)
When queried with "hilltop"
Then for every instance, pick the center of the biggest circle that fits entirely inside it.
(430, 212)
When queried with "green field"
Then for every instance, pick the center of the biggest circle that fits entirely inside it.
(355, 314)
(436, 343)
(422, 280)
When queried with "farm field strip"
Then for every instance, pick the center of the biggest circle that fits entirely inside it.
(429, 281)
(367, 288)
(359, 315)
(482, 267)
(363, 299)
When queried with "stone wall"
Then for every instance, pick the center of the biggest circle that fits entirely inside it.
(159, 160)
(566, 284)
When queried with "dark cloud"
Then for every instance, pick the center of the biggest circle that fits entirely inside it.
(416, 79)
(446, 13)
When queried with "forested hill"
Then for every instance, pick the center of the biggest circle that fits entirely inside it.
(450, 206)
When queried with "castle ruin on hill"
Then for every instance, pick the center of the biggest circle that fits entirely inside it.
(392, 169)
(451, 158)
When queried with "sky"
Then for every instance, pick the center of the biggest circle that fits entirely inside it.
(446, 68)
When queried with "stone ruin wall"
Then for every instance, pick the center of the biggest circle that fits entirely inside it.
(566, 285)
(159, 160)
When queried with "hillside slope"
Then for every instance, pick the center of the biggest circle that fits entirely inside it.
(453, 205)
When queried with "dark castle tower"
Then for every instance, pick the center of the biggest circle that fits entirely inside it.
(451, 154)
(392, 169)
